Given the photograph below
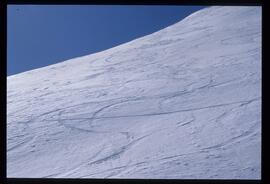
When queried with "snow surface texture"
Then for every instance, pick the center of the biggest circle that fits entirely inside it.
(181, 103)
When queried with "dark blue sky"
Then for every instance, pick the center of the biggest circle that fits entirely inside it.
(40, 35)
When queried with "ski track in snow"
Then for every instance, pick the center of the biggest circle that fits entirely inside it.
(181, 103)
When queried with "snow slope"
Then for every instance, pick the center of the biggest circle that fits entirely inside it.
(183, 102)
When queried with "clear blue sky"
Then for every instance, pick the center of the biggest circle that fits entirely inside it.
(41, 35)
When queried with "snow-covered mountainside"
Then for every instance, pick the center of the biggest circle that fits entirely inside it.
(183, 102)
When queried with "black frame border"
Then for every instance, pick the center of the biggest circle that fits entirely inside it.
(3, 87)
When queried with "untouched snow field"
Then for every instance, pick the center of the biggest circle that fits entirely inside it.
(181, 103)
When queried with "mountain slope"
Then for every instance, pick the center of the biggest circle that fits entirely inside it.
(183, 102)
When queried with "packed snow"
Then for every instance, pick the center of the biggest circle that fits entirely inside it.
(181, 103)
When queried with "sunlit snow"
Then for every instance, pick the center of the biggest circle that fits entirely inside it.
(181, 103)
